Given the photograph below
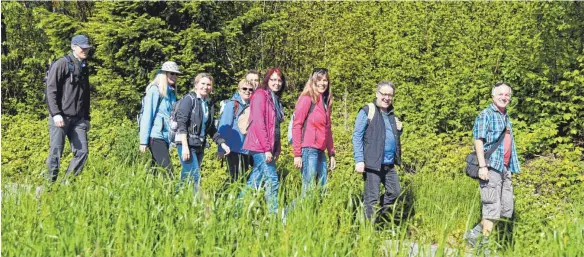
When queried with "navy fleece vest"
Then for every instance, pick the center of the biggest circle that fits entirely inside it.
(374, 139)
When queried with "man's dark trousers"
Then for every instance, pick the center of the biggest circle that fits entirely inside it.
(388, 177)
(75, 130)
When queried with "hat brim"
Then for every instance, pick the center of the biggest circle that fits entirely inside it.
(177, 72)
(84, 45)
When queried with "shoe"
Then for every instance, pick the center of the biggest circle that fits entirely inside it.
(471, 237)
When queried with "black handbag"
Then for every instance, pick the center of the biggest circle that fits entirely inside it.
(472, 162)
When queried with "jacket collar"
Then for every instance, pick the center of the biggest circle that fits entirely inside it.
(495, 109)
(237, 97)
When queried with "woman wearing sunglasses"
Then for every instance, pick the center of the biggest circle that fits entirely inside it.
(238, 160)
(194, 117)
(154, 119)
(311, 131)
(263, 136)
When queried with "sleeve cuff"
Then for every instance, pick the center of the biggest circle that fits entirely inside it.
(57, 118)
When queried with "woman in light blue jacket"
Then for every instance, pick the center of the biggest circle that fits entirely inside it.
(156, 109)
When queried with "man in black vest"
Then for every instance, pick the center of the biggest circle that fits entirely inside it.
(68, 104)
(377, 148)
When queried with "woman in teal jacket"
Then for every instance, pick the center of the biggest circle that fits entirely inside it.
(156, 108)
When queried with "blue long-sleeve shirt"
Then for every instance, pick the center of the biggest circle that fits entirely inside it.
(359, 133)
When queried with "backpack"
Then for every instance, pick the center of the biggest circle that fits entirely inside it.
(243, 120)
(139, 116)
(172, 123)
(222, 106)
(71, 71)
(370, 111)
(303, 124)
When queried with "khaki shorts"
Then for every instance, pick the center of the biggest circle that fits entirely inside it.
(497, 195)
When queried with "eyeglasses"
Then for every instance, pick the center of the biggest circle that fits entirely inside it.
(385, 95)
(173, 74)
(320, 70)
(247, 89)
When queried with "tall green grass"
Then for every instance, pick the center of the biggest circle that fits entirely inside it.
(116, 208)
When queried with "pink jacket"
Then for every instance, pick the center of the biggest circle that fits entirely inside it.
(262, 117)
(317, 131)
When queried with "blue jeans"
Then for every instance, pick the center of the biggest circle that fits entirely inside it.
(265, 173)
(190, 168)
(313, 166)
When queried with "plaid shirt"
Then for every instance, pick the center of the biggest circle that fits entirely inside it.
(488, 126)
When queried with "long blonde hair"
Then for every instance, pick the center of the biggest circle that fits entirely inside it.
(310, 87)
(161, 80)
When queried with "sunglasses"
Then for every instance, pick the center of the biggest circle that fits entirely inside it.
(247, 89)
(173, 74)
(320, 70)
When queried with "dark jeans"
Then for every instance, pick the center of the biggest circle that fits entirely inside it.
(75, 130)
(238, 163)
(160, 156)
(388, 177)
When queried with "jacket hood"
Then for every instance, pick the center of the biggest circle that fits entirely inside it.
(237, 97)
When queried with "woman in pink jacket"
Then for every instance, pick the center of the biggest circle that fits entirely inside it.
(311, 130)
(263, 135)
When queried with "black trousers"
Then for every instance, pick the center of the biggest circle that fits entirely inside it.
(386, 176)
(160, 156)
(237, 164)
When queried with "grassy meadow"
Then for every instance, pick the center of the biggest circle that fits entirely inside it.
(116, 208)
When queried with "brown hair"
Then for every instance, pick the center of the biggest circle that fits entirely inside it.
(310, 87)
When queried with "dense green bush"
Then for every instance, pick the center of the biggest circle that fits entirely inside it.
(443, 57)
(25, 143)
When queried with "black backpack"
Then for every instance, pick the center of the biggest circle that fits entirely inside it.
(71, 71)
(172, 120)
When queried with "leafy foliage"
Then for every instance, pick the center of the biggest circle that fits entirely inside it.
(444, 58)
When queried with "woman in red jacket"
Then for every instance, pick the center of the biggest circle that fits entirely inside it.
(263, 135)
(311, 130)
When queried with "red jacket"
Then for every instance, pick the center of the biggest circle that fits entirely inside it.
(317, 131)
(262, 117)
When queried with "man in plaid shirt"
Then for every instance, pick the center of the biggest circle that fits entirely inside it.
(495, 173)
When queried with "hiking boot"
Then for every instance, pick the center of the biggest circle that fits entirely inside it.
(471, 237)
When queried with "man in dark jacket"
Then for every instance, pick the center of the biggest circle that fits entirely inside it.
(377, 148)
(68, 104)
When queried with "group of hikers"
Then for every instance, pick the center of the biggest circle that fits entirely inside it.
(248, 133)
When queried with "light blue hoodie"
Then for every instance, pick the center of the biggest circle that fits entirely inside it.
(228, 125)
(154, 123)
